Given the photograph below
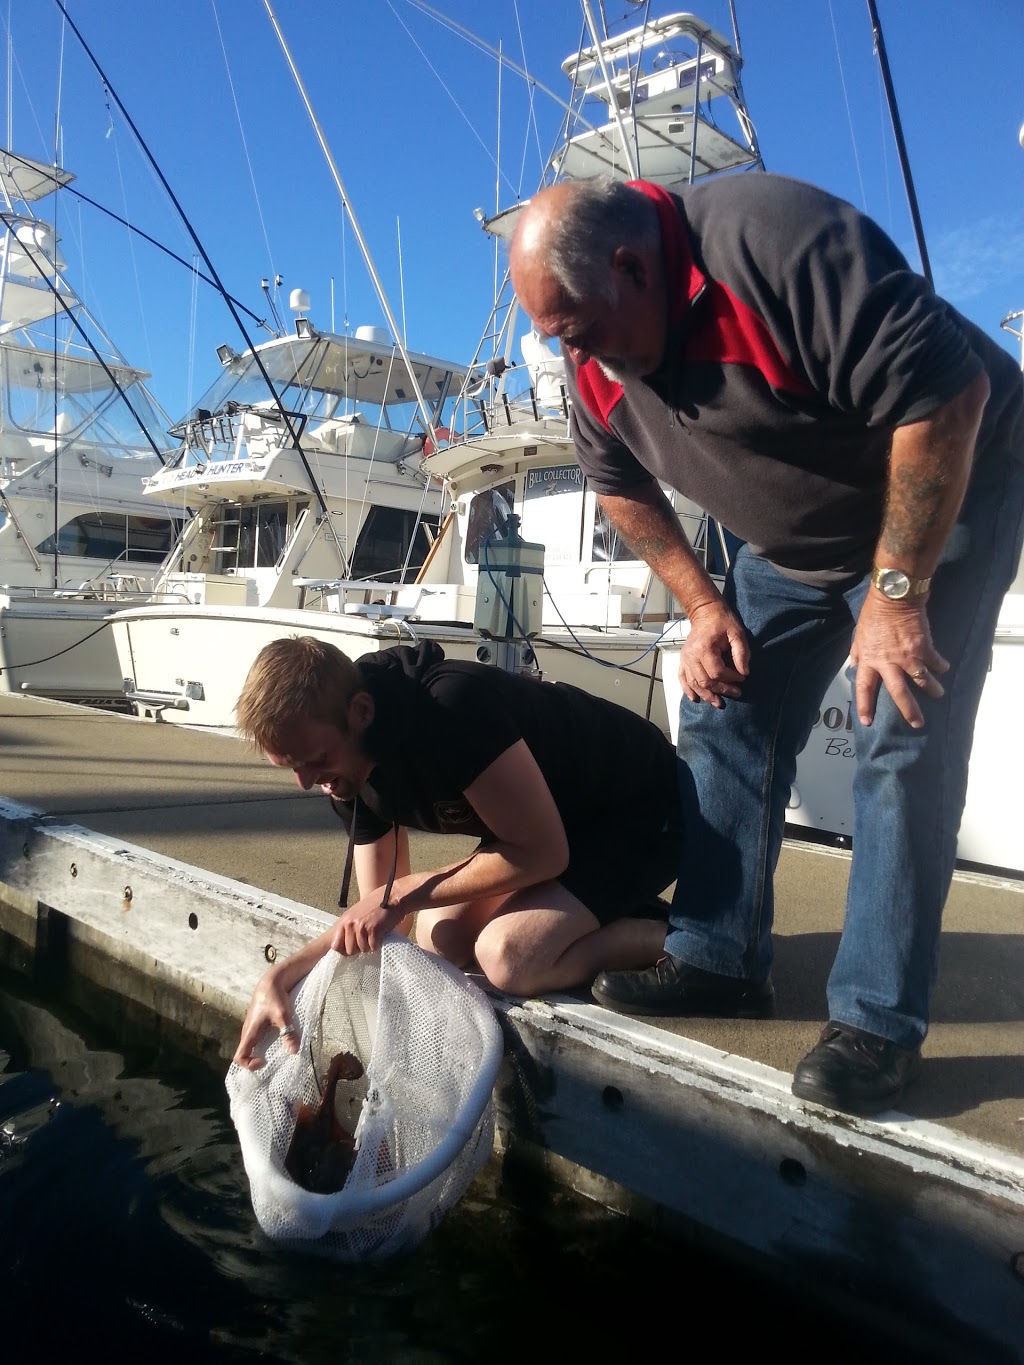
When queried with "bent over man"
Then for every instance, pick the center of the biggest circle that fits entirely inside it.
(573, 799)
(764, 348)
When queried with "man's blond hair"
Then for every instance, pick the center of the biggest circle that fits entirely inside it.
(295, 678)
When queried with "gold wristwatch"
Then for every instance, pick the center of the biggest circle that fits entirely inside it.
(896, 585)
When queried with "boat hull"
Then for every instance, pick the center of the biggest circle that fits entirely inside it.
(54, 647)
(198, 656)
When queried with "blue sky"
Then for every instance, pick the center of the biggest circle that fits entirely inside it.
(412, 115)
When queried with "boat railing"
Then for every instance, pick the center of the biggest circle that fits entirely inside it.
(91, 590)
(379, 597)
(510, 408)
(231, 432)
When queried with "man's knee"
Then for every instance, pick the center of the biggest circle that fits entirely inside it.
(499, 961)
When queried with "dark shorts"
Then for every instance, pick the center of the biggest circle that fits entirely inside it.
(617, 869)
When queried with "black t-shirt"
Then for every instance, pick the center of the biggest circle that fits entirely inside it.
(439, 724)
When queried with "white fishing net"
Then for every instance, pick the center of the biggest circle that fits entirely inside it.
(410, 1049)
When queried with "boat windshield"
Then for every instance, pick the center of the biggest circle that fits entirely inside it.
(323, 377)
(315, 380)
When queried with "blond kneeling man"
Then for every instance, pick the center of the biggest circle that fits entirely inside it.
(573, 799)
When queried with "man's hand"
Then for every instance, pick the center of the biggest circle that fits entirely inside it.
(269, 1008)
(363, 925)
(715, 657)
(893, 645)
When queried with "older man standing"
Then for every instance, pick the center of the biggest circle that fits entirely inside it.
(765, 349)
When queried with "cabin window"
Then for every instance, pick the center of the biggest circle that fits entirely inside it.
(114, 537)
(488, 517)
(384, 543)
(150, 539)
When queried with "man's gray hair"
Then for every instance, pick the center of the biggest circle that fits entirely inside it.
(603, 214)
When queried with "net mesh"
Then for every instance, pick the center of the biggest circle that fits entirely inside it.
(397, 1049)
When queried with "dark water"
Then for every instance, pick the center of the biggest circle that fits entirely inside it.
(126, 1232)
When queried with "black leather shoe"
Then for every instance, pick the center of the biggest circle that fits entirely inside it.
(674, 987)
(855, 1071)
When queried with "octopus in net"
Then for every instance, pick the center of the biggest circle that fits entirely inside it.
(322, 1150)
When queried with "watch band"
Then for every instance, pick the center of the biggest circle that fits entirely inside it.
(884, 576)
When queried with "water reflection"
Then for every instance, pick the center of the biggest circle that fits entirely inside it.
(125, 1226)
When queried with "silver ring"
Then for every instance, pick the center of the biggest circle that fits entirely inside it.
(920, 676)
(287, 1029)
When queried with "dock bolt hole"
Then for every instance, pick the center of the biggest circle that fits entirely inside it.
(74, 870)
(128, 893)
(270, 953)
(612, 1098)
(793, 1172)
(193, 920)
(1017, 1264)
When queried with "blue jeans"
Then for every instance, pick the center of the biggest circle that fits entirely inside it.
(737, 765)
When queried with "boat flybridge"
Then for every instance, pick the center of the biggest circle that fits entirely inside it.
(652, 100)
(304, 459)
(662, 101)
(78, 432)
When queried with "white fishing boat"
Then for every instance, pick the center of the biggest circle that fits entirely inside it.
(663, 99)
(316, 486)
(525, 438)
(78, 432)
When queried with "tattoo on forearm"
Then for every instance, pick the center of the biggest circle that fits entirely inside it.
(650, 531)
(914, 508)
(648, 547)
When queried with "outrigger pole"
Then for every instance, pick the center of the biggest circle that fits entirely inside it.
(901, 146)
(421, 402)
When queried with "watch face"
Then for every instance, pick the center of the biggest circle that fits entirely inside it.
(894, 583)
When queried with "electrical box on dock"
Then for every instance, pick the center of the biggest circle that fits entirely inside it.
(510, 587)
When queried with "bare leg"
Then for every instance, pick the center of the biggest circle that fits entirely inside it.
(544, 939)
(452, 930)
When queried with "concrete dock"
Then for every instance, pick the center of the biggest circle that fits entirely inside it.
(206, 801)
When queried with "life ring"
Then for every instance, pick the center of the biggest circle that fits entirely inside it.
(445, 436)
